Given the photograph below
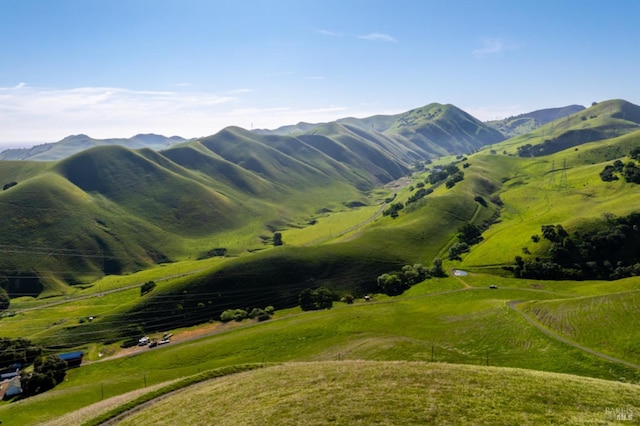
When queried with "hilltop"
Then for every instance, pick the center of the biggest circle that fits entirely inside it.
(527, 122)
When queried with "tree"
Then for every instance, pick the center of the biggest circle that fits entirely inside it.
(5, 301)
(147, 287)
(48, 371)
(391, 284)
(320, 298)
(469, 233)
(436, 268)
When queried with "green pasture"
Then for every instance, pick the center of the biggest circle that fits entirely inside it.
(436, 321)
(607, 323)
(328, 226)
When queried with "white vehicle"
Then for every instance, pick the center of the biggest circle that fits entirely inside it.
(143, 341)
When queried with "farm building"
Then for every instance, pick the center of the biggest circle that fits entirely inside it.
(73, 359)
(10, 388)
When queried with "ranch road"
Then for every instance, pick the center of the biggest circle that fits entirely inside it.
(512, 304)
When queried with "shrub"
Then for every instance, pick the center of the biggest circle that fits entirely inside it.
(227, 315)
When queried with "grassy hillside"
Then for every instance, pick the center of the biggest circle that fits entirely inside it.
(601, 121)
(172, 201)
(527, 122)
(362, 392)
(608, 322)
(437, 320)
(446, 127)
(563, 188)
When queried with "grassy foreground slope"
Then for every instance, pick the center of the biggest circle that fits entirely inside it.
(392, 393)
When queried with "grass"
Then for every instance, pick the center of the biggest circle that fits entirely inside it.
(392, 393)
(607, 323)
(437, 320)
(534, 195)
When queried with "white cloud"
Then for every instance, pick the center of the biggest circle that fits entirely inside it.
(378, 37)
(46, 115)
(238, 91)
(32, 115)
(329, 33)
(493, 46)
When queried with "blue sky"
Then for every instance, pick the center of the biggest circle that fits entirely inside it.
(115, 68)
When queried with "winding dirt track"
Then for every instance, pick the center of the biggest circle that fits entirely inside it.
(512, 304)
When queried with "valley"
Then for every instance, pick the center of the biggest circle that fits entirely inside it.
(247, 220)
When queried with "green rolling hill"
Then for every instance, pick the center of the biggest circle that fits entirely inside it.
(235, 188)
(112, 210)
(527, 122)
(125, 209)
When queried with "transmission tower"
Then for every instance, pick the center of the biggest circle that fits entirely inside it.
(564, 183)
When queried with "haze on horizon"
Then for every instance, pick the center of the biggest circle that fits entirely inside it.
(191, 68)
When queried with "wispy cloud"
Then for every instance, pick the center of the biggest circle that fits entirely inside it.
(32, 115)
(45, 114)
(329, 33)
(238, 91)
(493, 46)
(378, 37)
(315, 77)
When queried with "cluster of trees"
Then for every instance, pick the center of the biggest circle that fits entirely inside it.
(393, 210)
(147, 287)
(451, 173)
(419, 194)
(395, 283)
(240, 314)
(468, 235)
(609, 249)
(17, 351)
(8, 185)
(317, 299)
(48, 371)
(629, 171)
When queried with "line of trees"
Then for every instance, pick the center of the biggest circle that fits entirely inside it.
(258, 314)
(397, 282)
